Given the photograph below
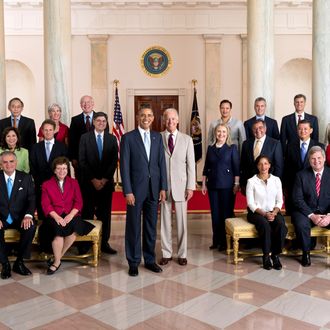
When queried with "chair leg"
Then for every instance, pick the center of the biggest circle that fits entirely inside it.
(228, 237)
(95, 253)
(236, 246)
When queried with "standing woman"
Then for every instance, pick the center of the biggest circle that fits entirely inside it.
(10, 141)
(61, 130)
(264, 201)
(221, 180)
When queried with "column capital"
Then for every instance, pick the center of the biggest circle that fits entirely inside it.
(98, 38)
(213, 38)
(243, 37)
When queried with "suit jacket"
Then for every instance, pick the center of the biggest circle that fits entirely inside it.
(272, 128)
(271, 148)
(293, 162)
(89, 162)
(180, 166)
(137, 173)
(40, 168)
(26, 128)
(52, 199)
(221, 166)
(289, 129)
(304, 195)
(22, 199)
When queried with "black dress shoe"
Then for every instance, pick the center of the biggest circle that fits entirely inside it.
(51, 271)
(133, 271)
(108, 249)
(20, 268)
(276, 262)
(266, 262)
(6, 270)
(153, 267)
(213, 246)
(306, 259)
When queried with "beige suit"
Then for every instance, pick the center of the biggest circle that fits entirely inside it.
(180, 169)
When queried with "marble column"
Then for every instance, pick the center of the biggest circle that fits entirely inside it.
(3, 105)
(321, 63)
(212, 79)
(244, 78)
(260, 53)
(57, 48)
(99, 58)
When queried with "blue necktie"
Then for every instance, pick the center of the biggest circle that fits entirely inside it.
(47, 150)
(303, 151)
(146, 142)
(9, 189)
(99, 145)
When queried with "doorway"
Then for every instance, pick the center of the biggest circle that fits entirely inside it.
(158, 103)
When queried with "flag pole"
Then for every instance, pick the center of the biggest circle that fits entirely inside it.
(116, 82)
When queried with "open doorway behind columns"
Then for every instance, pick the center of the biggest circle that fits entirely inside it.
(158, 103)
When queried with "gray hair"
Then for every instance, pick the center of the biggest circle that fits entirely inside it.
(52, 106)
(171, 110)
(315, 149)
(7, 153)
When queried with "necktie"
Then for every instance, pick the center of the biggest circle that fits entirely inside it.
(47, 150)
(299, 118)
(303, 151)
(146, 142)
(256, 150)
(170, 143)
(99, 145)
(15, 122)
(317, 184)
(88, 123)
(9, 189)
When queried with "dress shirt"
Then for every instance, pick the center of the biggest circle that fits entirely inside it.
(90, 117)
(101, 133)
(51, 144)
(307, 143)
(297, 118)
(264, 196)
(262, 141)
(174, 135)
(17, 120)
(13, 180)
(260, 118)
(321, 172)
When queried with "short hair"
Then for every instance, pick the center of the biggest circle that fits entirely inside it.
(86, 96)
(260, 99)
(4, 144)
(314, 150)
(228, 140)
(144, 107)
(8, 153)
(100, 114)
(299, 96)
(15, 99)
(62, 160)
(259, 121)
(305, 121)
(171, 110)
(226, 101)
(52, 106)
(48, 122)
(261, 157)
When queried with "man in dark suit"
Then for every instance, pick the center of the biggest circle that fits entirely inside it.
(41, 157)
(311, 200)
(26, 126)
(260, 144)
(290, 122)
(143, 172)
(17, 205)
(296, 159)
(260, 109)
(98, 156)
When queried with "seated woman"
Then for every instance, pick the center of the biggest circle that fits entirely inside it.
(62, 203)
(10, 141)
(264, 200)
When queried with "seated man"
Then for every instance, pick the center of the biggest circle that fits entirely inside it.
(311, 200)
(17, 205)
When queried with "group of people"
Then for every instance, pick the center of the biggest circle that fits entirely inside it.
(266, 163)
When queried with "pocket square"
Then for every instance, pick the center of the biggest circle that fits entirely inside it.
(20, 188)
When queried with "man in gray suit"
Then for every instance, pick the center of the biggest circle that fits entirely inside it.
(180, 168)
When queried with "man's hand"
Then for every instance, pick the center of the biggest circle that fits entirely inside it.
(162, 196)
(189, 194)
(1, 224)
(27, 222)
(98, 185)
(316, 218)
(130, 199)
(325, 220)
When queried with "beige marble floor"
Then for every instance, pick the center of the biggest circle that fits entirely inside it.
(209, 293)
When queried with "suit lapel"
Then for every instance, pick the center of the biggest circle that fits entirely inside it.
(140, 143)
(293, 122)
(93, 146)
(3, 187)
(16, 185)
(165, 143)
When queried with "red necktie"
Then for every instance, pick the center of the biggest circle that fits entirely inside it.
(317, 184)
(299, 118)
(170, 143)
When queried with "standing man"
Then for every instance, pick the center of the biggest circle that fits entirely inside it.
(143, 172)
(311, 200)
(98, 156)
(260, 110)
(26, 126)
(237, 131)
(180, 168)
(296, 159)
(260, 144)
(290, 122)
(41, 157)
(17, 205)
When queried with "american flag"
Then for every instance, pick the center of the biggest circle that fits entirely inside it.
(118, 126)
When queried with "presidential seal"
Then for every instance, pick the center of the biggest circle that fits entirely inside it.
(156, 61)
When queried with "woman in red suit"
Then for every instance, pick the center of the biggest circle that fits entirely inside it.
(62, 203)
